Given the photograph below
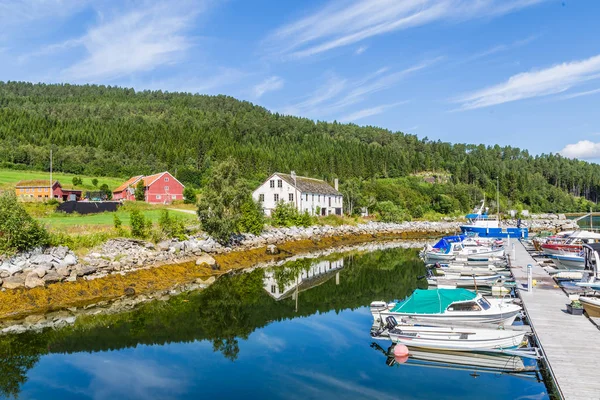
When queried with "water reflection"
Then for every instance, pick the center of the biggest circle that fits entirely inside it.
(300, 329)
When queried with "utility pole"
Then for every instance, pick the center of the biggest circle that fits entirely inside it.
(51, 194)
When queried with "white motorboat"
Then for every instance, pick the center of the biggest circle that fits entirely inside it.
(453, 338)
(453, 306)
(591, 305)
(458, 280)
(572, 261)
(495, 362)
(466, 270)
(451, 247)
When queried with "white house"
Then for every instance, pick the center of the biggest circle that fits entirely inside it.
(307, 194)
(317, 274)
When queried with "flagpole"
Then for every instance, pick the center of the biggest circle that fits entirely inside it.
(51, 194)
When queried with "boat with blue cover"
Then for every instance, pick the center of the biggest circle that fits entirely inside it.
(450, 248)
(448, 306)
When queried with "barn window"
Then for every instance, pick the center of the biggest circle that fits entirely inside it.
(166, 179)
(158, 197)
(272, 183)
(166, 188)
(261, 197)
(276, 197)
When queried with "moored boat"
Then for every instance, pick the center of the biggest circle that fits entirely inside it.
(448, 306)
(573, 261)
(591, 305)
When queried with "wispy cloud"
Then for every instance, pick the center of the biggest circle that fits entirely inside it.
(361, 50)
(499, 49)
(19, 12)
(556, 79)
(343, 22)
(580, 94)
(583, 149)
(337, 94)
(268, 85)
(135, 41)
(367, 112)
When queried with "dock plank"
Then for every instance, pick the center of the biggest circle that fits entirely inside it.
(569, 342)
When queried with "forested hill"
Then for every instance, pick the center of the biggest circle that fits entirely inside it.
(99, 130)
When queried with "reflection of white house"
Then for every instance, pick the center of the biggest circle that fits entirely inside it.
(314, 276)
(307, 194)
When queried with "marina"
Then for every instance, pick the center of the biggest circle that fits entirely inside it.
(567, 341)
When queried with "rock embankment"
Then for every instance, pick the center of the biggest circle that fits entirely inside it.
(119, 256)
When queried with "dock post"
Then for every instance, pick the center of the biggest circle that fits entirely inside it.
(529, 278)
(508, 236)
(514, 251)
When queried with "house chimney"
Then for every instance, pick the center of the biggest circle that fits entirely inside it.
(335, 183)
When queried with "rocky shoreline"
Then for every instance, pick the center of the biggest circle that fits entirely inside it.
(42, 267)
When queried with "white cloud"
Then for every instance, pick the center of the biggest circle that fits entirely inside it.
(579, 94)
(583, 149)
(500, 48)
(343, 23)
(361, 50)
(136, 41)
(367, 112)
(556, 79)
(268, 85)
(338, 94)
(19, 12)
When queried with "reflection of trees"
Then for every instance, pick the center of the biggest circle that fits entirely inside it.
(18, 353)
(233, 307)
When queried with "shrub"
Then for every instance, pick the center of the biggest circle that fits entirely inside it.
(94, 181)
(117, 221)
(140, 226)
(390, 212)
(286, 214)
(18, 230)
(77, 181)
(189, 195)
(52, 202)
(171, 226)
(252, 219)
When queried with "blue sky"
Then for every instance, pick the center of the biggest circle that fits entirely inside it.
(524, 73)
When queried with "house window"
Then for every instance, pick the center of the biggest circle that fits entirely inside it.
(272, 183)
(166, 179)
(313, 199)
(279, 183)
(329, 201)
(273, 288)
(158, 197)
(291, 196)
(306, 196)
(319, 197)
(276, 197)
(166, 188)
(261, 197)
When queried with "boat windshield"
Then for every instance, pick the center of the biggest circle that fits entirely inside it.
(484, 304)
(466, 306)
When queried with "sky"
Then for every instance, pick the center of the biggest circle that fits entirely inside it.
(524, 73)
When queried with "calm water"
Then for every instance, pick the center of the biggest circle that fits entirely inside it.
(585, 223)
(243, 338)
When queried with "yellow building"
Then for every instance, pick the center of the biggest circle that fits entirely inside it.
(36, 189)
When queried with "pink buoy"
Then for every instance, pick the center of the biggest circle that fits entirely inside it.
(400, 350)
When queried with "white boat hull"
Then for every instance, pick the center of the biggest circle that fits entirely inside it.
(458, 339)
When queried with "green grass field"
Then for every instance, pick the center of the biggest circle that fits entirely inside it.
(9, 177)
(76, 222)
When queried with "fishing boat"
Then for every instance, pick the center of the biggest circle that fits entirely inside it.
(482, 225)
(566, 261)
(450, 248)
(591, 305)
(458, 280)
(447, 306)
(572, 243)
(453, 338)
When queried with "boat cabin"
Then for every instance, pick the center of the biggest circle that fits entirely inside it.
(591, 257)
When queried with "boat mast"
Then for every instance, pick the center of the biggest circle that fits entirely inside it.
(498, 198)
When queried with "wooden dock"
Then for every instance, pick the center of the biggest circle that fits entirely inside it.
(570, 343)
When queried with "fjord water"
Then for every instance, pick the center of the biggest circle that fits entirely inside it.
(297, 331)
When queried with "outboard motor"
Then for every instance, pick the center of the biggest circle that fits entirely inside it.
(391, 322)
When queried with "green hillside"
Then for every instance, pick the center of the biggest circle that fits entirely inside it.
(9, 177)
(109, 131)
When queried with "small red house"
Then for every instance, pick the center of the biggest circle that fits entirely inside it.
(158, 188)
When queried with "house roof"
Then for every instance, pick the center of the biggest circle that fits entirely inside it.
(35, 183)
(309, 185)
(148, 180)
(131, 181)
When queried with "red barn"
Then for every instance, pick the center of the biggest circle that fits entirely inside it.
(158, 188)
